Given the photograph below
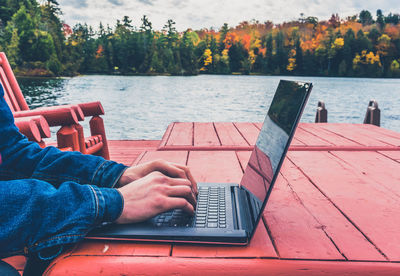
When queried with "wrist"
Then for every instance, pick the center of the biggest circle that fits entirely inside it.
(127, 177)
(110, 204)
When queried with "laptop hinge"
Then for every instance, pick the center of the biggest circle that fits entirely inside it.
(235, 203)
(245, 216)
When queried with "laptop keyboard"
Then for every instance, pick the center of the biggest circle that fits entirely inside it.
(210, 211)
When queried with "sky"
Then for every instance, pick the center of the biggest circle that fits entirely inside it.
(198, 14)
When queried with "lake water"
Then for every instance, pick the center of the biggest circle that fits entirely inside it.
(142, 107)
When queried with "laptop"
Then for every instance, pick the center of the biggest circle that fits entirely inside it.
(228, 213)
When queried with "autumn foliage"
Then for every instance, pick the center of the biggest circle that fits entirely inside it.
(336, 47)
(361, 45)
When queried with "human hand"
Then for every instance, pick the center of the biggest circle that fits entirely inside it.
(154, 194)
(167, 168)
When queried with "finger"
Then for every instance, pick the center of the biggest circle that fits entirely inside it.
(178, 182)
(179, 203)
(188, 176)
(183, 192)
(177, 170)
(171, 170)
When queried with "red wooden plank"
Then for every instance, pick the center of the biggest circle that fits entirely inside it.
(373, 165)
(127, 265)
(137, 160)
(249, 131)
(208, 148)
(354, 133)
(260, 246)
(383, 135)
(348, 239)
(243, 157)
(205, 135)
(133, 144)
(179, 157)
(166, 135)
(296, 233)
(258, 125)
(395, 155)
(388, 132)
(310, 139)
(297, 143)
(18, 262)
(127, 152)
(215, 166)
(345, 148)
(333, 138)
(181, 134)
(364, 202)
(229, 135)
(298, 138)
(113, 248)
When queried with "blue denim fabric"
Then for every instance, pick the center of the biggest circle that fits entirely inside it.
(47, 197)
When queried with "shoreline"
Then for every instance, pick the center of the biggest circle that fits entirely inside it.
(27, 76)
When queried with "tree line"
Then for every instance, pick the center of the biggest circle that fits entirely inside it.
(37, 42)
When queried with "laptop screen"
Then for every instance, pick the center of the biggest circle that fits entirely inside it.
(274, 139)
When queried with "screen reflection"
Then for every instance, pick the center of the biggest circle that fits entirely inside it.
(274, 137)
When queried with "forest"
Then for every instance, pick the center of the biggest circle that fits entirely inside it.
(38, 43)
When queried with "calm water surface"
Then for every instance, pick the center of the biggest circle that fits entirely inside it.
(142, 107)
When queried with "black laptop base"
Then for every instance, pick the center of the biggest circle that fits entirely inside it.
(216, 221)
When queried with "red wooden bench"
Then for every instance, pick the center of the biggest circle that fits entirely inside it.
(70, 135)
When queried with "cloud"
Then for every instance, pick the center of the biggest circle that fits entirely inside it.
(116, 2)
(74, 3)
(197, 14)
(178, 4)
(147, 2)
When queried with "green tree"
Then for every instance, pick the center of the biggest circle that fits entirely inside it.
(25, 25)
(269, 62)
(187, 55)
(349, 50)
(365, 18)
(380, 19)
(281, 56)
(237, 57)
(12, 49)
(392, 19)
(362, 42)
(147, 44)
(373, 35)
(222, 35)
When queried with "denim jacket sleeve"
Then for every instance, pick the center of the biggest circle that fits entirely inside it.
(49, 197)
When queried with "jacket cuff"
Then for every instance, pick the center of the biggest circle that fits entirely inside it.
(109, 204)
(108, 174)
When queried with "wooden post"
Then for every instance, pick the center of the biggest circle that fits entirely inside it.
(97, 128)
(322, 113)
(67, 136)
(373, 114)
(81, 138)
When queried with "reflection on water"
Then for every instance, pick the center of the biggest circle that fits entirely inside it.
(40, 92)
(142, 107)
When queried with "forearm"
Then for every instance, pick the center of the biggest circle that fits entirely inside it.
(35, 215)
(25, 159)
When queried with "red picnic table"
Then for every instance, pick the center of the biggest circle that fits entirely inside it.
(333, 211)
